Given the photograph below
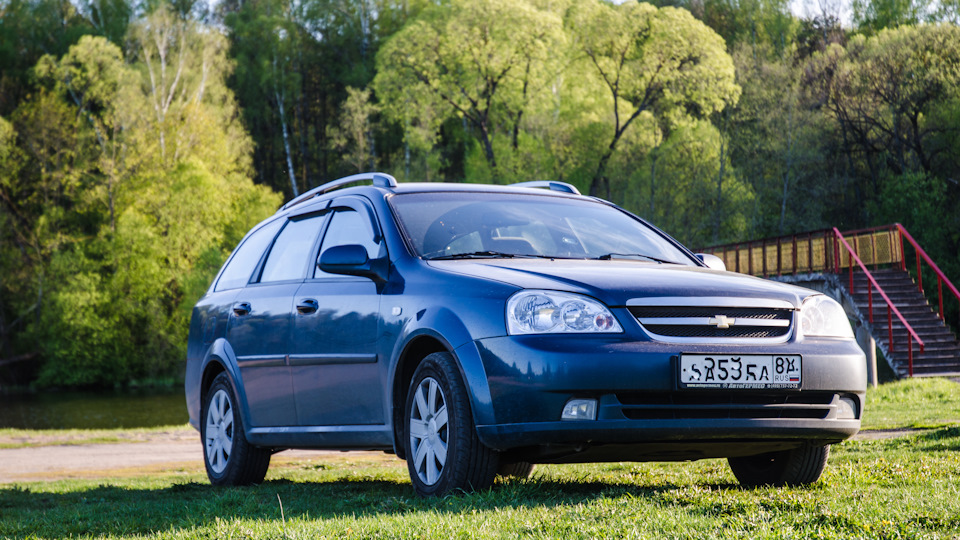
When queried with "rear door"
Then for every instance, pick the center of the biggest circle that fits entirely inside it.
(333, 358)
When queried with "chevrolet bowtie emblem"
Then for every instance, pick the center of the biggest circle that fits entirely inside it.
(722, 321)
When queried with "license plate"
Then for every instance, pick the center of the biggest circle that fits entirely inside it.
(740, 371)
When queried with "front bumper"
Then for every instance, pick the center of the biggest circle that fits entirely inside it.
(643, 414)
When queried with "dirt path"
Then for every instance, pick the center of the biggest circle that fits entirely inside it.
(153, 453)
(150, 453)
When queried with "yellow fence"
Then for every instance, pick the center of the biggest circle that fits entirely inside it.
(810, 252)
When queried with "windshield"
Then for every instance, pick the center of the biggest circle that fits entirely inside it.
(494, 225)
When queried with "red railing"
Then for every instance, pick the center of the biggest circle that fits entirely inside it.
(871, 284)
(820, 251)
(921, 254)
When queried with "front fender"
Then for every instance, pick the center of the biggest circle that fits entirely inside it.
(443, 326)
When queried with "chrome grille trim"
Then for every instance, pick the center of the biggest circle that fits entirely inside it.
(712, 301)
(714, 320)
(705, 321)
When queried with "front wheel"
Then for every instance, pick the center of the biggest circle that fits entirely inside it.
(443, 451)
(798, 467)
(230, 460)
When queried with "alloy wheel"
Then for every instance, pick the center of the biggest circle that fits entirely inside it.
(219, 431)
(429, 431)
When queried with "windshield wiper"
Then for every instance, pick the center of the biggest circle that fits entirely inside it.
(628, 256)
(478, 255)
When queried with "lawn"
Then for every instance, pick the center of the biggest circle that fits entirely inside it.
(904, 487)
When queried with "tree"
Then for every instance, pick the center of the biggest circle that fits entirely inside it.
(894, 97)
(872, 16)
(185, 66)
(109, 18)
(481, 61)
(136, 186)
(767, 24)
(778, 143)
(658, 60)
(94, 77)
(352, 134)
(30, 29)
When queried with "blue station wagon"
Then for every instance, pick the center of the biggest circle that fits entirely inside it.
(476, 330)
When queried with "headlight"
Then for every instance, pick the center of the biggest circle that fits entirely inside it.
(822, 317)
(548, 312)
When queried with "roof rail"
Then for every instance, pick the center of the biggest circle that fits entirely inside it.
(382, 180)
(552, 185)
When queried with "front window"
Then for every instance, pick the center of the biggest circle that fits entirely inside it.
(465, 225)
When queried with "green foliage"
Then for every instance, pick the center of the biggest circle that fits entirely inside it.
(351, 135)
(30, 29)
(482, 61)
(760, 24)
(872, 16)
(658, 60)
(135, 192)
(133, 133)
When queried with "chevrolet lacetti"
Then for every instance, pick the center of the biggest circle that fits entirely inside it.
(475, 330)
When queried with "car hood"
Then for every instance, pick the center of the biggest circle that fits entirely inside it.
(615, 282)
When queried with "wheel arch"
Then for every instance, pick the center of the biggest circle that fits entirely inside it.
(221, 359)
(415, 350)
(467, 360)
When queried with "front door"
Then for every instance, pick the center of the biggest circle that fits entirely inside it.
(336, 323)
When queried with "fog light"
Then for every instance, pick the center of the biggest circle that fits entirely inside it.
(580, 409)
(846, 409)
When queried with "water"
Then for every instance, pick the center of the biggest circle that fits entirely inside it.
(93, 410)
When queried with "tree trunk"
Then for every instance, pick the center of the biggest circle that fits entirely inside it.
(488, 151)
(286, 146)
(600, 185)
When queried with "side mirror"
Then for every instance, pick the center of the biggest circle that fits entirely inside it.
(712, 261)
(352, 260)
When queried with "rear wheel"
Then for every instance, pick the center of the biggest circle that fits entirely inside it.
(230, 460)
(443, 451)
(798, 467)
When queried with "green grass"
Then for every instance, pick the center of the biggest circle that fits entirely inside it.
(896, 488)
(906, 487)
(913, 403)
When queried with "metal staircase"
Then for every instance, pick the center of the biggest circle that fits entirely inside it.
(868, 269)
(941, 351)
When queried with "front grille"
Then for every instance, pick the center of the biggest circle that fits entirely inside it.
(725, 405)
(714, 322)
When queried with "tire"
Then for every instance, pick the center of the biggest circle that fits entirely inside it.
(229, 459)
(520, 469)
(443, 451)
(798, 467)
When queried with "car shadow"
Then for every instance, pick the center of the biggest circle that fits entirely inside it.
(118, 510)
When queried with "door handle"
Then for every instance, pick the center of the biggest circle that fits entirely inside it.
(308, 306)
(241, 309)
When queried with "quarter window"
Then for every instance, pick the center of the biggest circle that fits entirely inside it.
(245, 258)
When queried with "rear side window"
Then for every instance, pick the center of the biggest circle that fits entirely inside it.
(289, 254)
(245, 258)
